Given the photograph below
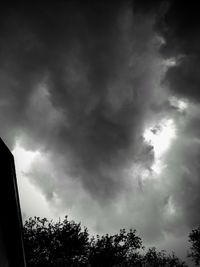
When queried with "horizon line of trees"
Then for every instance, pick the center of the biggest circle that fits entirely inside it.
(63, 244)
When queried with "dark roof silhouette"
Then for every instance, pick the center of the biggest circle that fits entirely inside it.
(11, 241)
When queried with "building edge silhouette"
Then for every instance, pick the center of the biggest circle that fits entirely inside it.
(11, 228)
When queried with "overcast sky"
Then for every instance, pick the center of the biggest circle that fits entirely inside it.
(99, 102)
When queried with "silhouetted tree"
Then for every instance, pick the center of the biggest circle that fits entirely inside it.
(64, 244)
(152, 258)
(194, 239)
(55, 244)
(115, 250)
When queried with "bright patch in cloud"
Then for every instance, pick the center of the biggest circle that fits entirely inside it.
(171, 207)
(180, 104)
(158, 167)
(23, 158)
(160, 137)
(33, 202)
(170, 62)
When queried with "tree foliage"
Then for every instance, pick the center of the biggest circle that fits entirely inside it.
(55, 244)
(153, 258)
(64, 244)
(115, 250)
(194, 239)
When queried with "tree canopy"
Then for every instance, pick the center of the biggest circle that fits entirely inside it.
(64, 244)
(194, 239)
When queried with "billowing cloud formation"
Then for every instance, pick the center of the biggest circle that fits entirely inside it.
(80, 83)
(181, 33)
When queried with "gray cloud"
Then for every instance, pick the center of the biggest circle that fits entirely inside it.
(92, 68)
(180, 29)
(80, 83)
(181, 33)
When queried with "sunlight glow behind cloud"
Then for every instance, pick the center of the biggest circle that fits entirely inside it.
(32, 200)
(180, 104)
(23, 158)
(160, 136)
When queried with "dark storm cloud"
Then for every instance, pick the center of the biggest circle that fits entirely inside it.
(181, 30)
(73, 82)
(184, 78)
(80, 83)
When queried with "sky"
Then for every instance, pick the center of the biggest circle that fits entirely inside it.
(100, 106)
